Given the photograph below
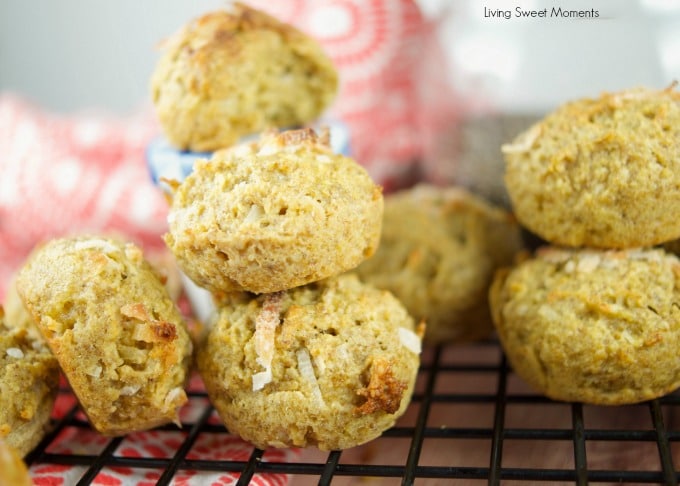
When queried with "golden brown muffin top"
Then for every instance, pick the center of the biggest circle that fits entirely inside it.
(601, 172)
(235, 72)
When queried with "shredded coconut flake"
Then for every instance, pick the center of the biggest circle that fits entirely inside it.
(265, 334)
(261, 379)
(525, 143)
(95, 372)
(254, 214)
(632, 94)
(649, 255)
(627, 337)
(548, 313)
(103, 245)
(174, 395)
(136, 311)
(129, 390)
(554, 255)
(410, 340)
(522, 309)
(342, 353)
(15, 353)
(609, 263)
(177, 397)
(307, 372)
(320, 364)
(268, 149)
(237, 151)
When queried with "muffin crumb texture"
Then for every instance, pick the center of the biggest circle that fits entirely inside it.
(594, 326)
(438, 251)
(29, 378)
(116, 333)
(601, 172)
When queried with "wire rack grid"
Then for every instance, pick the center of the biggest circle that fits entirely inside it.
(471, 421)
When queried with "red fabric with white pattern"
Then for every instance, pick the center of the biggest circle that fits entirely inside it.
(394, 90)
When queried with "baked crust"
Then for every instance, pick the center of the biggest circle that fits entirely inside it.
(14, 471)
(236, 72)
(331, 364)
(595, 326)
(274, 214)
(601, 172)
(118, 336)
(438, 251)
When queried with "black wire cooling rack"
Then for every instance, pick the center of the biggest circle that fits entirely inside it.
(471, 421)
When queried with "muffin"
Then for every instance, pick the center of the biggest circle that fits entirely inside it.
(273, 214)
(14, 472)
(593, 326)
(331, 364)
(601, 172)
(29, 379)
(107, 317)
(236, 72)
(438, 251)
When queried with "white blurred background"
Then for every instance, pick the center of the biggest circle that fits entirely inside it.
(71, 55)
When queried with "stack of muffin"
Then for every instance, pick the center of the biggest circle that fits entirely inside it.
(298, 353)
(594, 316)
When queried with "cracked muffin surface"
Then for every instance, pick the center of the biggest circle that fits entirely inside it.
(600, 172)
(116, 333)
(595, 326)
(14, 470)
(331, 364)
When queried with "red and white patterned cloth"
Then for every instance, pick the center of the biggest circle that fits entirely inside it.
(157, 444)
(82, 172)
(62, 174)
(395, 94)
